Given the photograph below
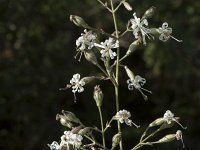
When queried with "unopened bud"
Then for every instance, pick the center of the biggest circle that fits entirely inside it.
(98, 95)
(157, 122)
(127, 5)
(154, 31)
(88, 79)
(149, 13)
(167, 138)
(133, 47)
(63, 120)
(71, 116)
(116, 139)
(90, 56)
(84, 131)
(79, 21)
(165, 125)
(76, 129)
(129, 73)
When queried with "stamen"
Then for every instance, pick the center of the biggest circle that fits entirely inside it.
(182, 142)
(143, 95)
(137, 126)
(175, 38)
(74, 98)
(146, 90)
(179, 123)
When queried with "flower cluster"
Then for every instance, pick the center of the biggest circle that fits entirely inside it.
(85, 41)
(123, 116)
(107, 46)
(68, 141)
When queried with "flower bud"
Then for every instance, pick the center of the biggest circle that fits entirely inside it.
(90, 56)
(79, 21)
(116, 139)
(129, 73)
(84, 131)
(165, 125)
(127, 5)
(75, 130)
(63, 120)
(71, 117)
(88, 79)
(149, 13)
(154, 31)
(157, 122)
(167, 138)
(98, 95)
(133, 47)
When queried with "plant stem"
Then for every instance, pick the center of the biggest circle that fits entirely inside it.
(102, 127)
(117, 70)
(96, 143)
(144, 140)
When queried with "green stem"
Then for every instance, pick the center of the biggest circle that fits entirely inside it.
(117, 70)
(102, 127)
(139, 145)
(96, 143)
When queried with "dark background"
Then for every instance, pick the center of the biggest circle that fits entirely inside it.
(37, 45)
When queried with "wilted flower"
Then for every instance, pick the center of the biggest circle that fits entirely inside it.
(169, 118)
(71, 139)
(77, 84)
(85, 41)
(123, 116)
(138, 82)
(54, 146)
(165, 33)
(107, 46)
(139, 25)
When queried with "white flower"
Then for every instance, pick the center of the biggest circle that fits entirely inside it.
(107, 47)
(71, 139)
(85, 41)
(169, 118)
(138, 82)
(165, 33)
(139, 25)
(123, 116)
(77, 84)
(54, 146)
(179, 136)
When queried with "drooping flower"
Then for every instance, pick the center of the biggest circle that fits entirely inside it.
(107, 46)
(123, 116)
(85, 41)
(169, 118)
(70, 139)
(137, 82)
(77, 84)
(139, 27)
(179, 136)
(165, 33)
